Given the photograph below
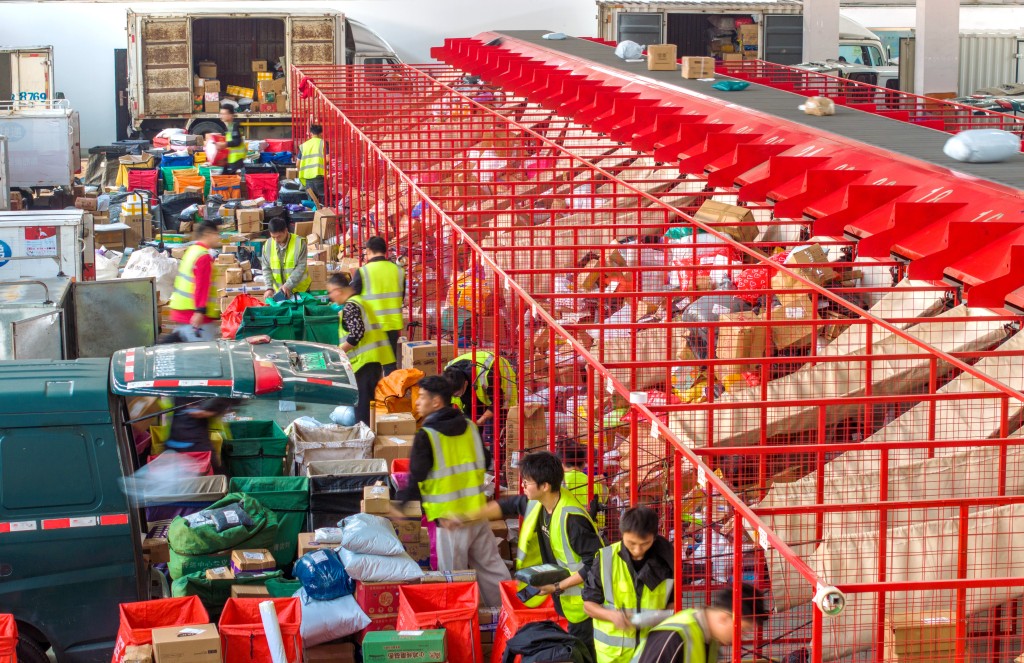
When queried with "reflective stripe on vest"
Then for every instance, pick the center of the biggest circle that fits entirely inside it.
(482, 386)
(382, 289)
(529, 555)
(311, 159)
(620, 593)
(279, 273)
(239, 152)
(576, 482)
(685, 624)
(374, 347)
(183, 297)
(455, 484)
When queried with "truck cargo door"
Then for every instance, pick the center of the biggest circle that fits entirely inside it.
(31, 78)
(166, 64)
(312, 39)
(642, 28)
(783, 38)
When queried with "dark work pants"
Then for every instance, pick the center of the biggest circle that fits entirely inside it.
(393, 335)
(367, 378)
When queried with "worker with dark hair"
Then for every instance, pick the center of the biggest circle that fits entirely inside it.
(237, 148)
(628, 578)
(556, 529)
(474, 374)
(695, 635)
(311, 161)
(446, 473)
(363, 341)
(195, 308)
(577, 479)
(382, 284)
(284, 261)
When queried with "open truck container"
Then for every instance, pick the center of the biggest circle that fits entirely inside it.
(70, 537)
(164, 50)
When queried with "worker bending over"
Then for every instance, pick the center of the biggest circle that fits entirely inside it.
(382, 284)
(556, 529)
(363, 341)
(473, 375)
(446, 473)
(284, 262)
(631, 576)
(695, 635)
(195, 308)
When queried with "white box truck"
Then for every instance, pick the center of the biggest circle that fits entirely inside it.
(26, 73)
(165, 48)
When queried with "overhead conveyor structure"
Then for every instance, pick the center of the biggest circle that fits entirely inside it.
(730, 367)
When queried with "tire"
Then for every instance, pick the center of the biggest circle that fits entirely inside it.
(204, 127)
(30, 651)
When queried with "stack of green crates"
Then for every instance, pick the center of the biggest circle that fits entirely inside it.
(278, 322)
(288, 497)
(320, 324)
(255, 449)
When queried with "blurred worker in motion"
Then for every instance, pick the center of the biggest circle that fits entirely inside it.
(361, 338)
(194, 304)
(237, 148)
(382, 285)
(577, 479)
(311, 162)
(474, 375)
(696, 635)
(284, 261)
(446, 473)
(626, 580)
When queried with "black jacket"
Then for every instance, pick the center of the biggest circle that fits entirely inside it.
(545, 642)
(447, 421)
(657, 568)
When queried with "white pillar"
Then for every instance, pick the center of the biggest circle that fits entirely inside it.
(937, 46)
(821, 30)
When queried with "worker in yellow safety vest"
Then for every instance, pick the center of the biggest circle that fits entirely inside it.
(696, 635)
(311, 161)
(382, 284)
(628, 578)
(195, 308)
(284, 261)
(555, 529)
(577, 480)
(237, 148)
(473, 375)
(446, 474)
(362, 340)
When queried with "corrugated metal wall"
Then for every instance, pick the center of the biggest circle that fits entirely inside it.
(987, 59)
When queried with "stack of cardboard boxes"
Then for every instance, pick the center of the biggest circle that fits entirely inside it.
(423, 355)
(749, 40)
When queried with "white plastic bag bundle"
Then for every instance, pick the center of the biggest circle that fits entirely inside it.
(818, 106)
(106, 265)
(149, 262)
(380, 568)
(323, 621)
(327, 535)
(982, 146)
(629, 50)
(370, 535)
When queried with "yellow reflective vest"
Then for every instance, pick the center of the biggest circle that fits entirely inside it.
(576, 482)
(239, 152)
(455, 484)
(374, 347)
(183, 297)
(383, 290)
(689, 629)
(279, 273)
(481, 380)
(311, 159)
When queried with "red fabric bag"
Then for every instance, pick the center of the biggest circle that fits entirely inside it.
(8, 639)
(139, 619)
(242, 638)
(514, 615)
(279, 145)
(452, 606)
(143, 178)
(261, 184)
(231, 317)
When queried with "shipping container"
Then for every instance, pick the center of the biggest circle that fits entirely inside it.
(988, 59)
(43, 143)
(26, 74)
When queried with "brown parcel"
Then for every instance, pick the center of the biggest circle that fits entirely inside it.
(398, 423)
(814, 255)
(714, 212)
(187, 644)
(332, 652)
(788, 335)
(739, 341)
(392, 447)
(661, 57)
(249, 220)
(249, 591)
(921, 636)
(138, 654)
(695, 67)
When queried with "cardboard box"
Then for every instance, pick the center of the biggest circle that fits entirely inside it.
(325, 221)
(249, 220)
(259, 65)
(308, 545)
(376, 500)
(220, 573)
(920, 636)
(732, 57)
(156, 548)
(86, 204)
(138, 654)
(233, 276)
(292, 174)
(379, 623)
(304, 228)
(697, 67)
(390, 447)
(317, 272)
(426, 646)
(423, 355)
(793, 336)
(252, 561)
(207, 69)
(378, 598)
(271, 92)
(736, 342)
(813, 255)
(332, 652)
(396, 423)
(661, 57)
(253, 591)
(187, 644)
(717, 213)
(211, 85)
(468, 575)
(419, 550)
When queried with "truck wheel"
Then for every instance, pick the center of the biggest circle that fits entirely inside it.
(206, 127)
(30, 651)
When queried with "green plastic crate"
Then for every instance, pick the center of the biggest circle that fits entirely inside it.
(288, 497)
(320, 324)
(255, 449)
(279, 323)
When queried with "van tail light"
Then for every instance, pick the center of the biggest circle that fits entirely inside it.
(268, 378)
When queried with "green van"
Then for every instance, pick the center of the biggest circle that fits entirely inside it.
(70, 537)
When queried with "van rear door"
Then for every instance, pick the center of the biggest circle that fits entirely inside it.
(160, 52)
(278, 370)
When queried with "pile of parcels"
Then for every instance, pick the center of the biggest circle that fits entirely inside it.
(267, 93)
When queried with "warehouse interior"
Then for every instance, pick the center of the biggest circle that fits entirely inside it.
(583, 332)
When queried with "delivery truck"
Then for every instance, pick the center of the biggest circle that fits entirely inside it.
(182, 64)
(70, 532)
(26, 73)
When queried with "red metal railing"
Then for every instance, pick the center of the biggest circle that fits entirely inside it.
(786, 418)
